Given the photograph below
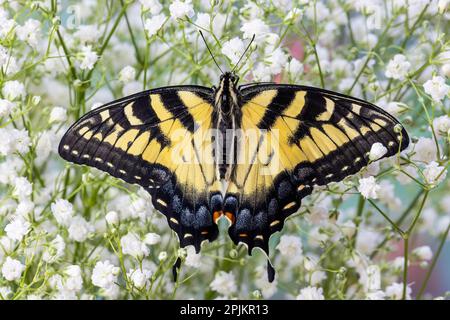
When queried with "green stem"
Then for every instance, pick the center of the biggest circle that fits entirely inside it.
(405, 266)
(433, 263)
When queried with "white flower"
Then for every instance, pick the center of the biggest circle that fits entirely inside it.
(127, 74)
(233, 49)
(17, 229)
(58, 114)
(152, 239)
(179, 9)
(397, 67)
(12, 269)
(377, 151)
(369, 188)
(162, 256)
(375, 295)
(6, 107)
(153, 25)
(255, 27)
(87, 33)
(112, 217)
(290, 246)
(54, 250)
(348, 228)
(277, 60)
(434, 174)
(436, 88)
(311, 293)
(62, 211)
(22, 188)
(79, 229)
(367, 240)
(139, 278)
(104, 274)
(154, 6)
(441, 125)
(424, 150)
(29, 32)
(394, 107)
(373, 279)
(193, 259)
(295, 68)
(293, 15)
(224, 283)
(5, 292)
(132, 245)
(87, 58)
(13, 90)
(22, 140)
(395, 291)
(73, 281)
(423, 253)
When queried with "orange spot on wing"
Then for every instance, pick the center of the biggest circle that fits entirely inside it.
(230, 217)
(217, 215)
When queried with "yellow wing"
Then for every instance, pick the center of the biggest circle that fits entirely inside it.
(293, 138)
(160, 140)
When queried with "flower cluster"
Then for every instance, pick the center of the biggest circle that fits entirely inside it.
(72, 232)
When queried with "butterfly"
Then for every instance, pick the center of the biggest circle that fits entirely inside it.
(247, 153)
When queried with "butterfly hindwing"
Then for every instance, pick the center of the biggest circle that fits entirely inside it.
(304, 137)
(158, 139)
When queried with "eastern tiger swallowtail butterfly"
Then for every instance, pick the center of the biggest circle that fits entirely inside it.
(248, 153)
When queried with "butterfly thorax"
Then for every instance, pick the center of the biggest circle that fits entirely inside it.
(226, 118)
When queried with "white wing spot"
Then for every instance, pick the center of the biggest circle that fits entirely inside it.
(345, 168)
(85, 156)
(98, 159)
(109, 164)
(66, 147)
(122, 171)
(357, 159)
(75, 152)
(329, 175)
(137, 177)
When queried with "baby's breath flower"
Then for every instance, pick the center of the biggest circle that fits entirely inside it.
(155, 23)
(255, 27)
(233, 49)
(87, 58)
(369, 188)
(58, 114)
(17, 229)
(311, 293)
(436, 88)
(22, 188)
(180, 9)
(112, 217)
(290, 247)
(423, 253)
(132, 245)
(162, 256)
(377, 151)
(79, 229)
(6, 107)
(29, 32)
(395, 291)
(224, 283)
(62, 211)
(55, 250)
(13, 90)
(139, 277)
(154, 6)
(87, 34)
(127, 74)
(441, 125)
(104, 274)
(434, 173)
(12, 269)
(398, 67)
(193, 259)
(152, 239)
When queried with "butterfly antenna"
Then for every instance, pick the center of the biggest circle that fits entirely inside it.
(204, 40)
(245, 51)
